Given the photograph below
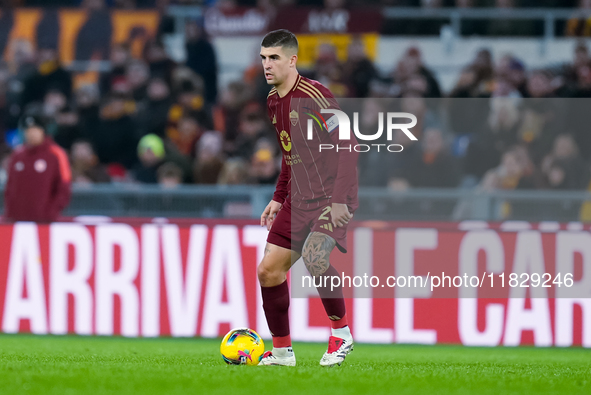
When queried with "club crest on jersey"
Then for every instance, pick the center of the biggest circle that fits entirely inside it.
(294, 117)
(285, 140)
(40, 165)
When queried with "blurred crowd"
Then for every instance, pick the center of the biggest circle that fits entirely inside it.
(250, 3)
(501, 127)
(152, 120)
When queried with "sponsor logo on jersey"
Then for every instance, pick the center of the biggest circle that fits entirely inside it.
(327, 227)
(285, 140)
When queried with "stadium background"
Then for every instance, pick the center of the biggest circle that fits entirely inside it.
(124, 79)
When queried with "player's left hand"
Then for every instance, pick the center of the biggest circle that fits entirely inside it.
(340, 215)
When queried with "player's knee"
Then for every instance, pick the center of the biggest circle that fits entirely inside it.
(268, 276)
(262, 273)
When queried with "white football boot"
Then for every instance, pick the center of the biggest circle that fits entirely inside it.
(338, 349)
(283, 356)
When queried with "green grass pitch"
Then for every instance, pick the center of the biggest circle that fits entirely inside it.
(95, 365)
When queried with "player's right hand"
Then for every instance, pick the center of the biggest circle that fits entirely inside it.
(269, 214)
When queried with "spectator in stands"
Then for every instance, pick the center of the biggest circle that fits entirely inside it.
(234, 172)
(499, 133)
(329, 70)
(189, 104)
(464, 114)
(227, 114)
(39, 176)
(54, 102)
(119, 58)
(201, 58)
(264, 167)
(114, 135)
(151, 154)
(432, 166)
(86, 167)
(253, 127)
(170, 175)
(210, 160)
(580, 59)
(359, 71)
(186, 136)
(161, 66)
(20, 66)
(370, 164)
(578, 117)
(68, 130)
(510, 73)
(477, 79)
(540, 84)
(152, 115)
(512, 173)
(410, 65)
(189, 97)
(87, 107)
(137, 74)
(563, 168)
(467, 84)
(64, 126)
(49, 75)
(413, 102)
(579, 24)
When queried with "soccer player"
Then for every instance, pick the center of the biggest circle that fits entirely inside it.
(314, 200)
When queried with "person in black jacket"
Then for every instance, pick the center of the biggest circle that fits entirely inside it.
(49, 75)
(201, 58)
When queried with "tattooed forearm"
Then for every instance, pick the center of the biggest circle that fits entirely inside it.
(316, 252)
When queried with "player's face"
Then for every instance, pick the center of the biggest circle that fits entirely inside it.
(276, 63)
(34, 136)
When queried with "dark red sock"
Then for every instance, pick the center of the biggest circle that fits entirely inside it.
(333, 301)
(276, 306)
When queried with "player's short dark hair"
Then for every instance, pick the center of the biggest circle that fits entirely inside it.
(280, 38)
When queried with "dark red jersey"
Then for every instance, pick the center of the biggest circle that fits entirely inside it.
(309, 176)
(38, 186)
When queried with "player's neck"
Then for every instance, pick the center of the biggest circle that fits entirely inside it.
(286, 86)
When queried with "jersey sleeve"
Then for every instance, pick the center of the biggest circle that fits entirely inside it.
(281, 190)
(62, 182)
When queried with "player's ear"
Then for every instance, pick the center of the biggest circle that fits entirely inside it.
(293, 60)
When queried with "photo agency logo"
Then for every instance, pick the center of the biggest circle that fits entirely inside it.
(340, 120)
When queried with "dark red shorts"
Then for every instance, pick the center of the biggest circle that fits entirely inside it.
(293, 225)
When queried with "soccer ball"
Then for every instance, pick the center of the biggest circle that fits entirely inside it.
(242, 346)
